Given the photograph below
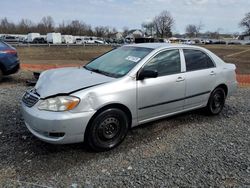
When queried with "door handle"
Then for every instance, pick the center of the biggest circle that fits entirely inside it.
(212, 73)
(180, 79)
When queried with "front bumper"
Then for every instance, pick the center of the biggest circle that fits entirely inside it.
(56, 127)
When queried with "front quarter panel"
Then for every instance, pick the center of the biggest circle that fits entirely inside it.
(122, 91)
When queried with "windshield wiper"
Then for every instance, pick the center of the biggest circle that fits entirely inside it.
(102, 72)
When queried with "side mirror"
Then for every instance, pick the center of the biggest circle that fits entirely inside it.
(147, 74)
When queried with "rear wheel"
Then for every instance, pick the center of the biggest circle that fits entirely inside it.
(107, 130)
(216, 101)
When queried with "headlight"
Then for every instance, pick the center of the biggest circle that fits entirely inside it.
(59, 104)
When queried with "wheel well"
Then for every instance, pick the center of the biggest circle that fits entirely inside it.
(2, 67)
(116, 105)
(224, 87)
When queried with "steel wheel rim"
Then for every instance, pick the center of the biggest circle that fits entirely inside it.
(109, 129)
(217, 102)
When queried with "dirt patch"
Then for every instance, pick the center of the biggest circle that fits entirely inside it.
(80, 55)
(238, 55)
(243, 79)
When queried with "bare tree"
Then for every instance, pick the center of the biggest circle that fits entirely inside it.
(7, 27)
(194, 30)
(101, 31)
(163, 24)
(148, 28)
(24, 26)
(191, 30)
(245, 23)
(199, 27)
(125, 31)
(46, 25)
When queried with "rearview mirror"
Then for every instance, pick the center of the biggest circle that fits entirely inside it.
(147, 74)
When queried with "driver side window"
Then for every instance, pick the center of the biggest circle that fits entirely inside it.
(165, 63)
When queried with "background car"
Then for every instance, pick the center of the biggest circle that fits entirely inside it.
(10, 39)
(9, 62)
(39, 40)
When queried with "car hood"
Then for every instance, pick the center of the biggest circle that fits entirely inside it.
(68, 80)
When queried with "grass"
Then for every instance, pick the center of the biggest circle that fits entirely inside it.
(237, 54)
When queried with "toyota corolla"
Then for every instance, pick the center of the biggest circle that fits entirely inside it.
(126, 87)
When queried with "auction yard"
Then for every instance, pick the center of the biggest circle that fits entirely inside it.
(188, 150)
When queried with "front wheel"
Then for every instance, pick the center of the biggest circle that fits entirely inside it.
(216, 101)
(107, 130)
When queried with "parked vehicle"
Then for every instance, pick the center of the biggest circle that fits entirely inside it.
(99, 42)
(31, 37)
(54, 38)
(79, 41)
(10, 39)
(234, 43)
(190, 42)
(39, 40)
(67, 39)
(88, 40)
(9, 62)
(206, 41)
(219, 42)
(123, 88)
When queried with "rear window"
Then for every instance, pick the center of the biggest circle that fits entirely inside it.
(196, 60)
(3, 45)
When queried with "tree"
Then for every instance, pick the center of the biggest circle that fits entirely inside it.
(24, 26)
(46, 25)
(7, 27)
(191, 30)
(101, 31)
(125, 31)
(245, 23)
(163, 24)
(148, 28)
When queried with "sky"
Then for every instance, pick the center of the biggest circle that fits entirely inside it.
(222, 15)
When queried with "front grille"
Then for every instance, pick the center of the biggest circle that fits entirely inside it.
(29, 99)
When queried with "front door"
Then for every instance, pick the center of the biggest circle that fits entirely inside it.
(165, 94)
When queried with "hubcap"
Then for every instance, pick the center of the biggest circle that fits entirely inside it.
(108, 129)
(217, 102)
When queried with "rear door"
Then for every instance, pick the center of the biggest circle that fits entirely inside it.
(200, 77)
(165, 94)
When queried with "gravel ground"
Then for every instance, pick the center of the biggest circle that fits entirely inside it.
(188, 150)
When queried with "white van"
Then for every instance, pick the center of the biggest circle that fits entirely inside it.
(54, 38)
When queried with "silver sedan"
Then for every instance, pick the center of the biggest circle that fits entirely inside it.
(123, 88)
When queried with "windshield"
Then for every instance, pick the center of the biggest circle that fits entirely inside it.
(118, 62)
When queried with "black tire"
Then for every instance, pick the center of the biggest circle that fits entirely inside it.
(1, 74)
(107, 130)
(216, 102)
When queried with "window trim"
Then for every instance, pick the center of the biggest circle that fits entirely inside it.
(164, 50)
(201, 50)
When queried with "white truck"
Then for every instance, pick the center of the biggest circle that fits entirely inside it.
(54, 38)
(67, 39)
(32, 36)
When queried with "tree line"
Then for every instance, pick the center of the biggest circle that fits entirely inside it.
(161, 26)
(47, 25)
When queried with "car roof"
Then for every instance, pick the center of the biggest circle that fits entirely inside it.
(162, 45)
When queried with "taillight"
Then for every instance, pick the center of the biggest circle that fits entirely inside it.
(8, 52)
